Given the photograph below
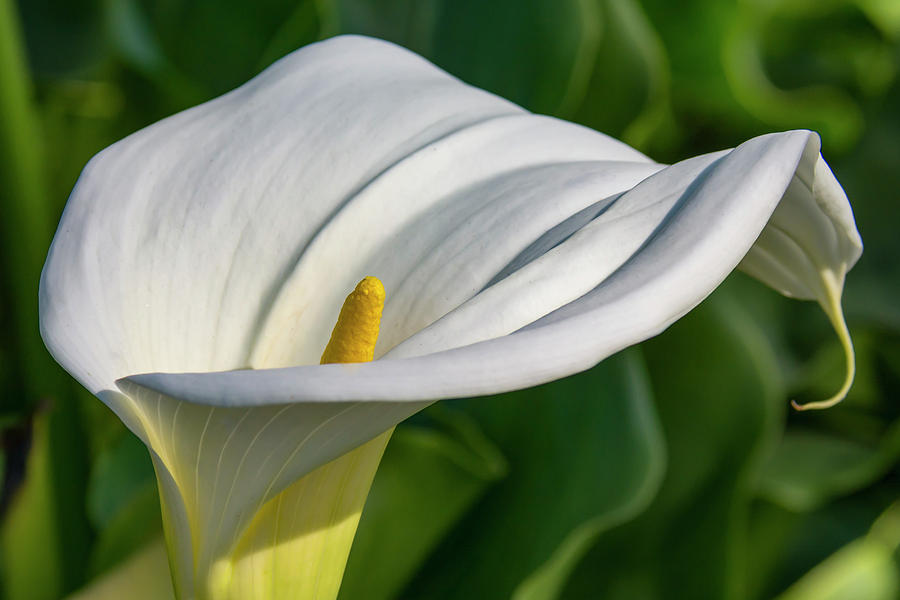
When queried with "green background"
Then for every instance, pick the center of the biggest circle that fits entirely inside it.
(672, 470)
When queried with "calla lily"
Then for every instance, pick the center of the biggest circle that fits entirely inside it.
(200, 265)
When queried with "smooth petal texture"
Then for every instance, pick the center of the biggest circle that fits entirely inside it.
(211, 252)
(437, 227)
(176, 240)
(704, 215)
(811, 232)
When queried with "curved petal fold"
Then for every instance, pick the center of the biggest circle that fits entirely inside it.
(436, 227)
(693, 223)
(807, 248)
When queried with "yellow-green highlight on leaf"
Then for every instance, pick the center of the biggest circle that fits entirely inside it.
(143, 576)
(26, 528)
(885, 14)
(45, 518)
(865, 568)
(859, 570)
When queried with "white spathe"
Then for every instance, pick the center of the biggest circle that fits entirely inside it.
(201, 263)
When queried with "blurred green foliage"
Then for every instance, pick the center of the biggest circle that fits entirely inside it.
(674, 470)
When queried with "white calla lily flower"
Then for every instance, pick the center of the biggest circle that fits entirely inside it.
(201, 263)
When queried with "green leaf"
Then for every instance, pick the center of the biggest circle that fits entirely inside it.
(717, 392)
(583, 450)
(859, 570)
(216, 45)
(410, 23)
(785, 545)
(133, 526)
(885, 14)
(723, 88)
(865, 568)
(819, 105)
(63, 38)
(310, 21)
(537, 53)
(871, 176)
(45, 534)
(120, 472)
(627, 89)
(770, 533)
(428, 478)
(692, 34)
(143, 576)
(810, 467)
(26, 227)
(122, 502)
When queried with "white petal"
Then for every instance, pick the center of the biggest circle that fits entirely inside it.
(440, 225)
(226, 236)
(716, 207)
(810, 232)
(176, 238)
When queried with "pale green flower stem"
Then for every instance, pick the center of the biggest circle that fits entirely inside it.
(297, 545)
